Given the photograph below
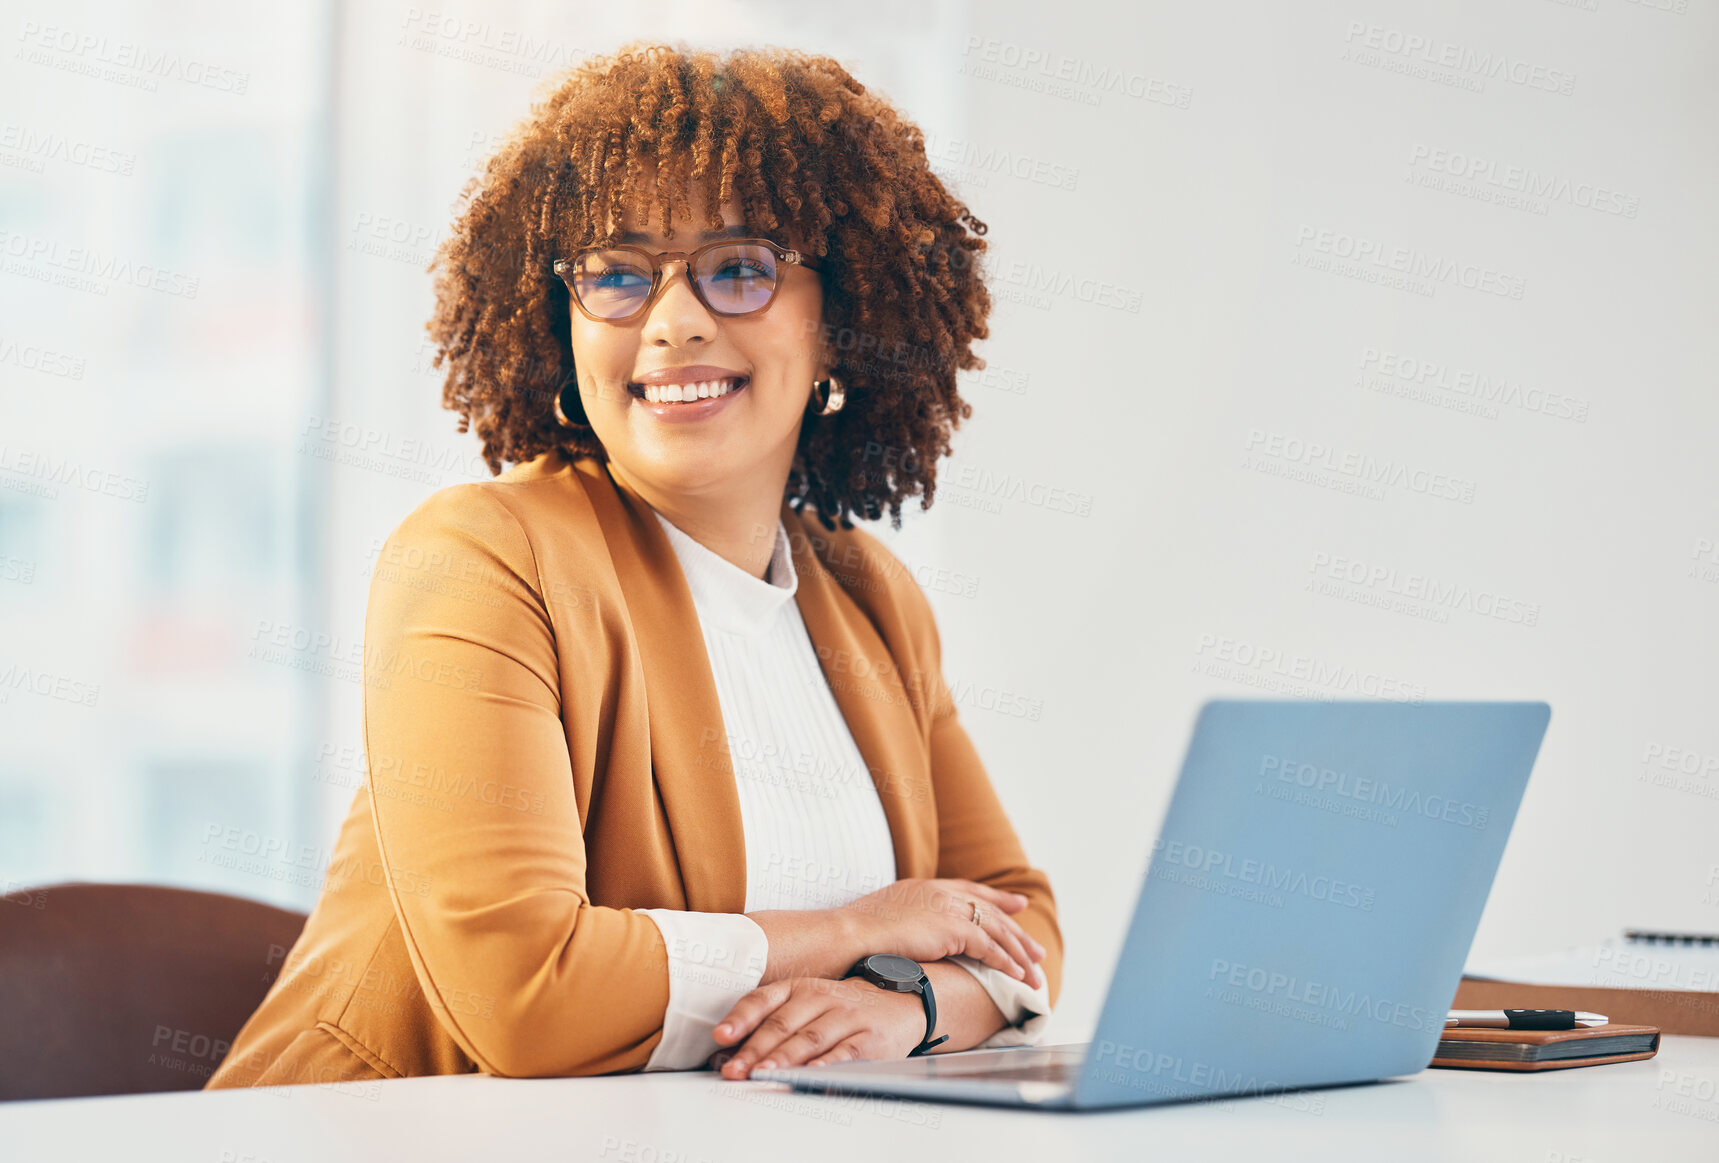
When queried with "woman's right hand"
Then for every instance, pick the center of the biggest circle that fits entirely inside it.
(930, 919)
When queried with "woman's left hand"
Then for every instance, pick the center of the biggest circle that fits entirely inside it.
(814, 1020)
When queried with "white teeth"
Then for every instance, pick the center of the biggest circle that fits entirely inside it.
(677, 393)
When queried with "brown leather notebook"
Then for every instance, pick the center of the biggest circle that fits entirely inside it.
(1491, 1048)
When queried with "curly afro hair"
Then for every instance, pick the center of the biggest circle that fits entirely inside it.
(808, 152)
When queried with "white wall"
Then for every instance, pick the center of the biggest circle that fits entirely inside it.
(1602, 526)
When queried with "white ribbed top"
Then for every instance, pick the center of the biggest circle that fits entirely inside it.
(816, 835)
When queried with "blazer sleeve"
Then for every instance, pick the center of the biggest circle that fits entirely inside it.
(975, 839)
(462, 694)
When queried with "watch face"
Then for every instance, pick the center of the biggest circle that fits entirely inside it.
(889, 966)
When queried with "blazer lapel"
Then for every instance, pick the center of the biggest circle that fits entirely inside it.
(689, 744)
(866, 681)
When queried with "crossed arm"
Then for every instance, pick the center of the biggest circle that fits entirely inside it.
(803, 1018)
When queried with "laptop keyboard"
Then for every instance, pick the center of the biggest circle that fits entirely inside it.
(1058, 1072)
(1058, 1065)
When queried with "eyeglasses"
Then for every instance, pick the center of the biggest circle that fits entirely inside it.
(735, 276)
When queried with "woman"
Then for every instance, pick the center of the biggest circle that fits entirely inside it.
(659, 746)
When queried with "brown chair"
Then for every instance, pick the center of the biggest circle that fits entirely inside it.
(128, 988)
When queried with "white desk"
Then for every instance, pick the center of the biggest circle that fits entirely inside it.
(1664, 1109)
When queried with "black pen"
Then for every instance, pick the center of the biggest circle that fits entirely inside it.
(1524, 1019)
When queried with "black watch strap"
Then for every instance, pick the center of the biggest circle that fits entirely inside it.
(930, 1000)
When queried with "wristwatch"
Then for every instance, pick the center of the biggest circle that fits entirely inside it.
(902, 975)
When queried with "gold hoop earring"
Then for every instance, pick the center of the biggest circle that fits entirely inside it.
(830, 396)
(560, 409)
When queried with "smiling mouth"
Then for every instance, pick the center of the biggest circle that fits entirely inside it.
(687, 393)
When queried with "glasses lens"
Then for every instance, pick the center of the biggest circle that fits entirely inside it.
(737, 278)
(611, 284)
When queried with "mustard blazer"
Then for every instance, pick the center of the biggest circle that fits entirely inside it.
(546, 754)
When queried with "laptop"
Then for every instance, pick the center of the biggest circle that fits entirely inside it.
(1305, 915)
